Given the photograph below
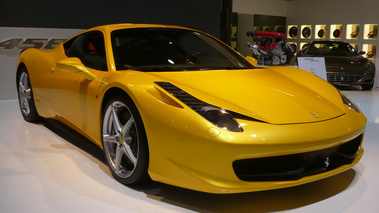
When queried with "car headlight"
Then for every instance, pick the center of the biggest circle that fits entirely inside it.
(348, 102)
(369, 67)
(216, 115)
(220, 118)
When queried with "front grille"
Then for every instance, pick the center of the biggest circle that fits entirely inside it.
(343, 78)
(296, 166)
(333, 68)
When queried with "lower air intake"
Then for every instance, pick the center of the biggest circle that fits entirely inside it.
(296, 166)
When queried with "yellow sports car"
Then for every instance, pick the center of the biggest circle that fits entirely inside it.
(178, 106)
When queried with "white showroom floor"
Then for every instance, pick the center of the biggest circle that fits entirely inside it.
(45, 170)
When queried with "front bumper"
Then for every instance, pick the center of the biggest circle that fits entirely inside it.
(297, 166)
(204, 162)
(349, 79)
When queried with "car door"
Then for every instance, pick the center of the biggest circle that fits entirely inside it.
(73, 97)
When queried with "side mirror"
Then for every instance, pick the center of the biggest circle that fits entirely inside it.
(252, 60)
(362, 52)
(76, 66)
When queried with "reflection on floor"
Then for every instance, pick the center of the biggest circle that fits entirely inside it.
(45, 170)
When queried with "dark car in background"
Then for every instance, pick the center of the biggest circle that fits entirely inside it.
(344, 65)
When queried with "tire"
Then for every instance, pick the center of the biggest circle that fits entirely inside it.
(26, 97)
(124, 141)
(367, 86)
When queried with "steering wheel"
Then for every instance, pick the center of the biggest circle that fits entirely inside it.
(193, 58)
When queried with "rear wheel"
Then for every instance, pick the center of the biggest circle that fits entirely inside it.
(124, 141)
(25, 97)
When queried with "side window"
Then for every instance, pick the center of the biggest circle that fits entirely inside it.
(89, 48)
(67, 45)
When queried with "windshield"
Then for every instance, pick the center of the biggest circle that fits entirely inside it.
(163, 49)
(332, 48)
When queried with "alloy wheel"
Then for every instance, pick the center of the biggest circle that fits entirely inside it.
(24, 93)
(120, 139)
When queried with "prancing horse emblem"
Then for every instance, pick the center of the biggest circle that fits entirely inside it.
(327, 162)
(314, 115)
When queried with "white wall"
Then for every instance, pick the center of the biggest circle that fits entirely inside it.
(309, 10)
(333, 10)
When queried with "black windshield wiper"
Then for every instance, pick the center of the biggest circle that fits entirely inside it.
(189, 68)
(156, 68)
(231, 68)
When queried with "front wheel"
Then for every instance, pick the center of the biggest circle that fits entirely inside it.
(25, 97)
(124, 141)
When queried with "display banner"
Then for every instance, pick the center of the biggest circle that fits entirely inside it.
(315, 65)
(14, 40)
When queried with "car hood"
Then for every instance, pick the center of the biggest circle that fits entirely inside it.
(278, 95)
(346, 60)
(345, 63)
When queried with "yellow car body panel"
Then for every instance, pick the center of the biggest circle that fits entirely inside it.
(296, 112)
(264, 88)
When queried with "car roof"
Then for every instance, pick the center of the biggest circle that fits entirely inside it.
(327, 41)
(112, 27)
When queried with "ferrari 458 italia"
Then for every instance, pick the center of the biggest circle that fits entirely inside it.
(178, 106)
